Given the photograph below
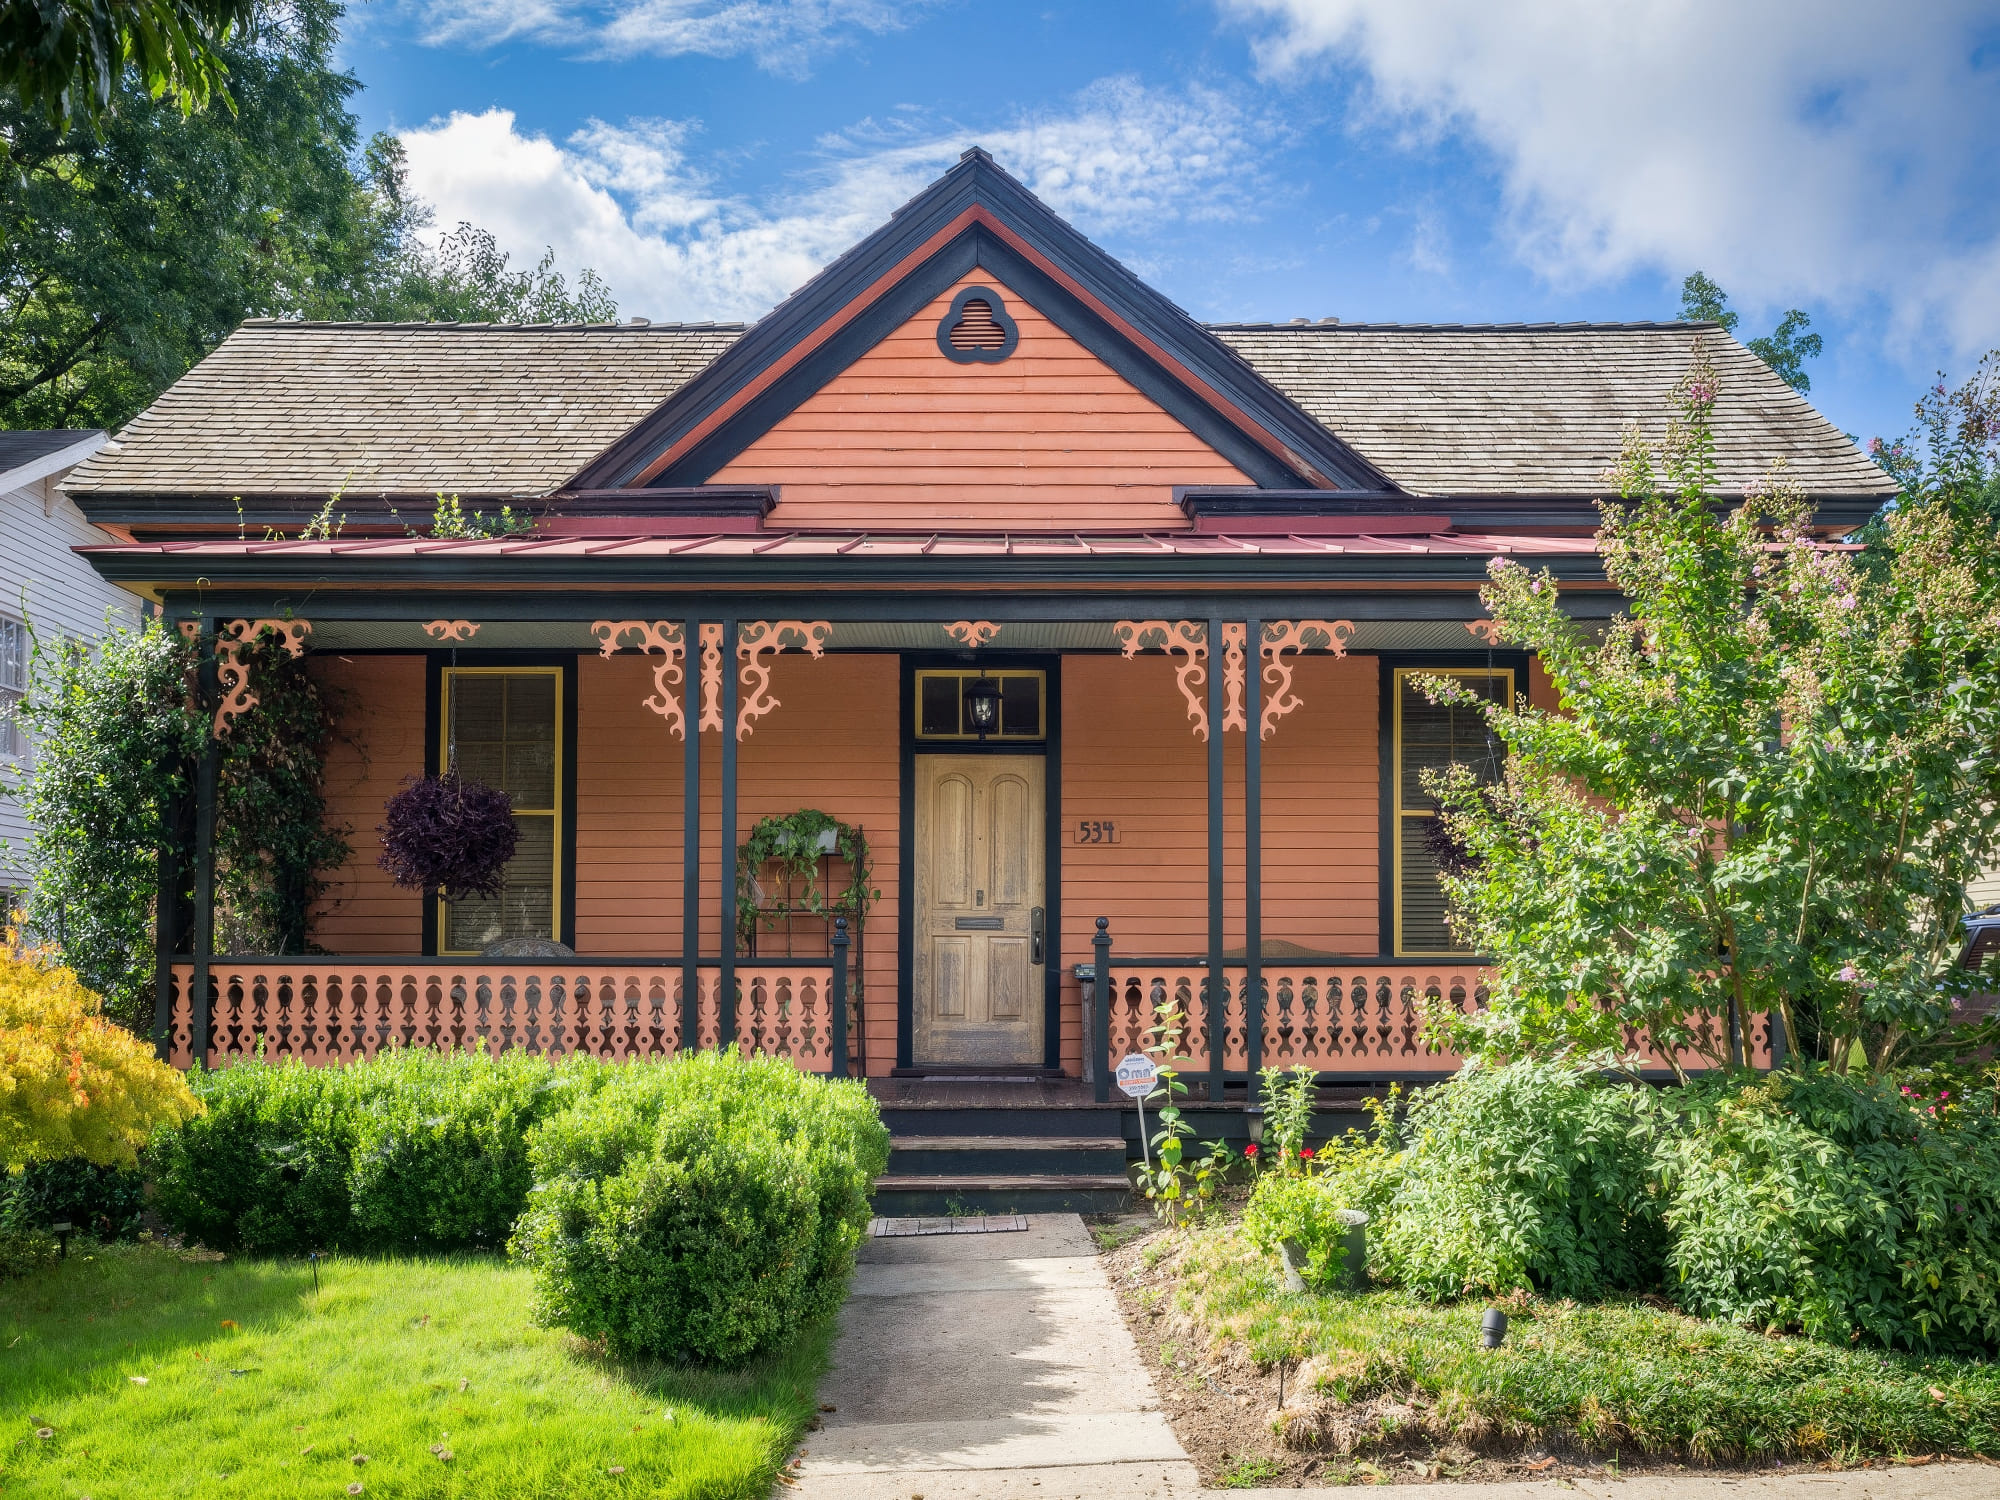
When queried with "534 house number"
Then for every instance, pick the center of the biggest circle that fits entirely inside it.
(1097, 831)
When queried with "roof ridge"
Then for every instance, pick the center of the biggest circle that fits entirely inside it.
(636, 325)
(1335, 325)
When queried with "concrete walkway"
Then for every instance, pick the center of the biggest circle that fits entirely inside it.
(990, 1365)
(995, 1366)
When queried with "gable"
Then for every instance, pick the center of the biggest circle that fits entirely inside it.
(1043, 436)
(978, 219)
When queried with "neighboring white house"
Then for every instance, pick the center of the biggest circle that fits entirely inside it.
(46, 585)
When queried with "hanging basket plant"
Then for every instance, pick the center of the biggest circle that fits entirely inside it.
(450, 835)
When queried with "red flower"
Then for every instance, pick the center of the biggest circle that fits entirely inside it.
(1305, 1154)
(1251, 1149)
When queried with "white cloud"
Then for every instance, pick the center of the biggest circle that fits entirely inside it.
(784, 36)
(1793, 149)
(632, 202)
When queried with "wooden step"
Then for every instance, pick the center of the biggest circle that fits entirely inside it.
(897, 1182)
(1006, 1143)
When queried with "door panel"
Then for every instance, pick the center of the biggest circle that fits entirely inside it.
(981, 868)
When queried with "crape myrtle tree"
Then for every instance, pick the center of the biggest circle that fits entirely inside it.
(1769, 781)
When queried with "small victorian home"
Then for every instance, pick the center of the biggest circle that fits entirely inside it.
(1097, 628)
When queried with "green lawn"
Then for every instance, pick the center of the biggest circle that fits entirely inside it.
(1623, 1375)
(158, 1376)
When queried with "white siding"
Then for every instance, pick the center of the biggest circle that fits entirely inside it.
(44, 582)
(1984, 891)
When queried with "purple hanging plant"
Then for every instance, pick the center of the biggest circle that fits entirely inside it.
(450, 835)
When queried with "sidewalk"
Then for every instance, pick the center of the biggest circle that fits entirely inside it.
(995, 1366)
(989, 1365)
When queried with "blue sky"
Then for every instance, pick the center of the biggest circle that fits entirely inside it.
(1408, 160)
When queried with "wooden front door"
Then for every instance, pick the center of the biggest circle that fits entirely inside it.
(981, 940)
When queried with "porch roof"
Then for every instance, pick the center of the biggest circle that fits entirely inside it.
(1018, 561)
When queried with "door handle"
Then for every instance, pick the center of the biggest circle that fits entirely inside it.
(1037, 935)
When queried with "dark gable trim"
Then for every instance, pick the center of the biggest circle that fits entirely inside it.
(976, 188)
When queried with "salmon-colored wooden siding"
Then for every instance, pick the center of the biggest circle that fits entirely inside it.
(379, 740)
(832, 743)
(1130, 755)
(1051, 438)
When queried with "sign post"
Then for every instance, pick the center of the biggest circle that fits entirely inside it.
(1138, 1075)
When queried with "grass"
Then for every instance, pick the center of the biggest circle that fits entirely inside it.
(1609, 1376)
(1251, 1473)
(254, 1385)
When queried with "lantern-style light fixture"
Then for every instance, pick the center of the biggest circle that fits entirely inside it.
(982, 704)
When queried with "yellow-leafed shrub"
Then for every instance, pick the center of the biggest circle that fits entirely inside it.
(71, 1082)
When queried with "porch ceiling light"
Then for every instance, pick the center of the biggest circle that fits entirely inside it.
(982, 704)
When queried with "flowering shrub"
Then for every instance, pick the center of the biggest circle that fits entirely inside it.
(450, 835)
(1659, 856)
(1838, 1205)
(73, 1083)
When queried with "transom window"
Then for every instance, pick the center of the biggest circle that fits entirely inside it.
(503, 726)
(1428, 737)
(945, 710)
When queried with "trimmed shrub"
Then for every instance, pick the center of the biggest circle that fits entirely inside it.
(1834, 1205)
(265, 1169)
(701, 1208)
(412, 1150)
(1529, 1175)
(440, 1146)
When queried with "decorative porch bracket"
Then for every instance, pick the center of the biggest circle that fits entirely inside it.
(1486, 630)
(451, 630)
(757, 639)
(972, 634)
(664, 639)
(233, 640)
(1280, 642)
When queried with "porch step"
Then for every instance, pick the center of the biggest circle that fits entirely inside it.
(1032, 1156)
(904, 1195)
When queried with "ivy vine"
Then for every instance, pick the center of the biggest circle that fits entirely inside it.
(794, 843)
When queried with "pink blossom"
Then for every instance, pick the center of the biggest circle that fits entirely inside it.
(1848, 974)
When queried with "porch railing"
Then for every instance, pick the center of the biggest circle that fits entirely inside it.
(1362, 1018)
(327, 1010)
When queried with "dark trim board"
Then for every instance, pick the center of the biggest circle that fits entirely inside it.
(1050, 749)
(892, 606)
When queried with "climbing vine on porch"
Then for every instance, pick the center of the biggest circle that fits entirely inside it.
(794, 843)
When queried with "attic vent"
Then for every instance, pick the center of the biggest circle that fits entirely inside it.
(976, 329)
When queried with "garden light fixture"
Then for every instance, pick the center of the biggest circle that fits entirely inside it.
(1493, 1329)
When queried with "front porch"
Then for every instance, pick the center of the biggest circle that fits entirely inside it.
(1261, 882)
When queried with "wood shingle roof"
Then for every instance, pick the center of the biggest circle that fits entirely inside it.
(304, 409)
(1540, 409)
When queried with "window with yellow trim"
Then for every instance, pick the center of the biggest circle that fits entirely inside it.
(503, 726)
(1430, 736)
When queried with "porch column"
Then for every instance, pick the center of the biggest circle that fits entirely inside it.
(726, 978)
(1218, 978)
(691, 836)
(169, 902)
(1253, 851)
(204, 844)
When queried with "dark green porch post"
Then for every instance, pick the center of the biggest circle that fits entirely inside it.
(206, 780)
(726, 979)
(1218, 1011)
(1253, 851)
(691, 834)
